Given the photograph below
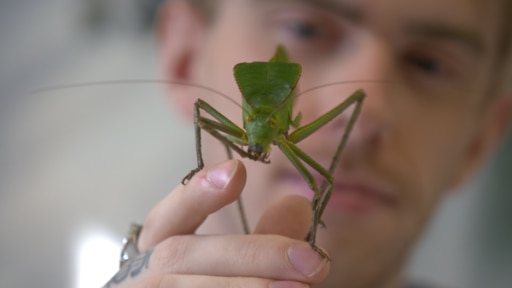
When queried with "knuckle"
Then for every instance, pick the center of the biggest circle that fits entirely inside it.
(234, 282)
(152, 217)
(248, 253)
(171, 254)
(177, 281)
(149, 229)
(161, 281)
(245, 282)
(155, 281)
(238, 282)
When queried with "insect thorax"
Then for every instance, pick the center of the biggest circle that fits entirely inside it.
(262, 129)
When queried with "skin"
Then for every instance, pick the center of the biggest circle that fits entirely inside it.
(415, 139)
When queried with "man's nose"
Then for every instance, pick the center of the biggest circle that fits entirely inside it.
(374, 65)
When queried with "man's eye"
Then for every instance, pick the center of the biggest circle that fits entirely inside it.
(431, 69)
(305, 30)
(427, 65)
(307, 34)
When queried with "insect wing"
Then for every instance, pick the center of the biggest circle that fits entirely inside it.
(266, 83)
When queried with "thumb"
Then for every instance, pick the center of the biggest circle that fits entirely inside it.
(289, 216)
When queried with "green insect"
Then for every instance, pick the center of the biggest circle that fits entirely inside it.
(267, 102)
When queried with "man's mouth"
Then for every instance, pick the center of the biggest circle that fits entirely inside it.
(351, 194)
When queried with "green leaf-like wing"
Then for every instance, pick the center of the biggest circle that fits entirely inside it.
(268, 86)
(266, 83)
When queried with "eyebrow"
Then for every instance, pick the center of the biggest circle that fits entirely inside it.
(343, 9)
(440, 31)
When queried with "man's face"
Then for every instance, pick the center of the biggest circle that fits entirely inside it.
(426, 66)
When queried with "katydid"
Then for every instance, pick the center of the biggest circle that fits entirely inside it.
(267, 90)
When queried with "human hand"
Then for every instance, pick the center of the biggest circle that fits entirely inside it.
(172, 256)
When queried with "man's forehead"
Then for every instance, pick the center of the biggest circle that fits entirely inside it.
(356, 9)
(347, 7)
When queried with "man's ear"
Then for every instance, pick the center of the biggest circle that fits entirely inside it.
(180, 32)
(490, 135)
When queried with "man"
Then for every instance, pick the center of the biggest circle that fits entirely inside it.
(437, 105)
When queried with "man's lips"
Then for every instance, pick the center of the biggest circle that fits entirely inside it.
(350, 193)
(358, 197)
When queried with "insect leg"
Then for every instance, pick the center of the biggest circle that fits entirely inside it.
(199, 154)
(356, 98)
(240, 204)
(321, 198)
(305, 131)
(296, 157)
(234, 135)
(225, 125)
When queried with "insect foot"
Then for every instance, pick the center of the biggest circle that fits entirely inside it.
(190, 175)
(320, 252)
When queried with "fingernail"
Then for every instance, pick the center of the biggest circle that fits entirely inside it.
(305, 260)
(219, 176)
(287, 284)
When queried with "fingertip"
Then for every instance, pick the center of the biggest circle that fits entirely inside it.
(226, 178)
(218, 176)
(307, 261)
(239, 177)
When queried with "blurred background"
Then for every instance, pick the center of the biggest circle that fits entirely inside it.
(77, 165)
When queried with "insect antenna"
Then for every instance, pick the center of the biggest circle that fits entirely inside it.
(344, 82)
(130, 81)
(281, 104)
(278, 107)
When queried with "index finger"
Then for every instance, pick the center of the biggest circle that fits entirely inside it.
(187, 206)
